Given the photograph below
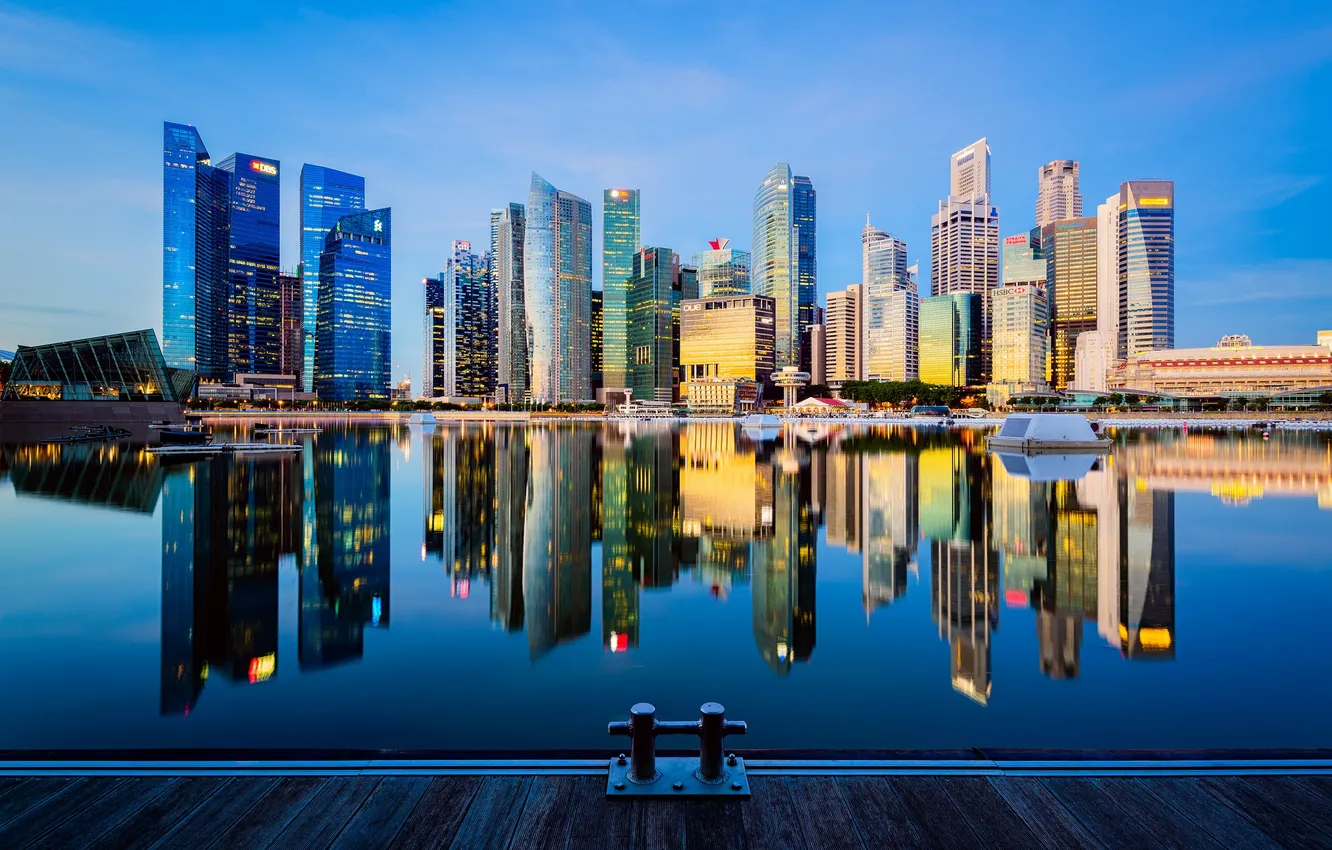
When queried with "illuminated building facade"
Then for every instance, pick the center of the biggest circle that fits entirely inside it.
(722, 270)
(1236, 370)
(1023, 261)
(621, 237)
(727, 337)
(469, 312)
(964, 260)
(950, 340)
(1020, 321)
(1057, 195)
(804, 214)
(784, 257)
(254, 236)
(653, 298)
(291, 317)
(891, 321)
(507, 232)
(326, 196)
(352, 352)
(189, 245)
(843, 336)
(1070, 256)
(1146, 266)
(557, 290)
(598, 338)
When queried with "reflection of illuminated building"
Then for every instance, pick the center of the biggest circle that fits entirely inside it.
(619, 588)
(348, 587)
(1059, 636)
(947, 477)
(844, 500)
(784, 577)
(1147, 573)
(108, 475)
(725, 492)
(506, 587)
(965, 596)
(889, 484)
(653, 521)
(460, 513)
(557, 541)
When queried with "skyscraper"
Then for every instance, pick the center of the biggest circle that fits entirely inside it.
(842, 336)
(352, 352)
(1023, 261)
(804, 215)
(891, 319)
(776, 258)
(621, 236)
(438, 339)
(1070, 255)
(291, 318)
(326, 195)
(1057, 195)
(1020, 314)
(964, 238)
(467, 335)
(183, 152)
(557, 286)
(723, 270)
(598, 339)
(1095, 351)
(253, 255)
(950, 336)
(650, 332)
(727, 337)
(1146, 266)
(507, 232)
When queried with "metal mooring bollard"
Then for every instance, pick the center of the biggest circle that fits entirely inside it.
(644, 775)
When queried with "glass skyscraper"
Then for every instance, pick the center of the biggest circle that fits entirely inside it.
(950, 340)
(557, 277)
(469, 332)
(1070, 254)
(326, 195)
(507, 231)
(182, 152)
(804, 216)
(651, 374)
(1146, 266)
(254, 303)
(723, 270)
(891, 310)
(621, 236)
(352, 352)
(775, 258)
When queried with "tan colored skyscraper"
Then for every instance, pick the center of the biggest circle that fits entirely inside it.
(1057, 195)
(1070, 250)
(969, 174)
(842, 334)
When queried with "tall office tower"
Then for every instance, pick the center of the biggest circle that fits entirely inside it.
(1146, 266)
(950, 340)
(469, 328)
(1095, 350)
(722, 270)
(964, 237)
(557, 291)
(818, 355)
(326, 196)
(727, 337)
(291, 318)
(651, 338)
(1057, 195)
(891, 321)
(621, 236)
(185, 165)
(1023, 261)
(842, 336)
(684, 287)
(352, 352)
(598, 339)
(437, 340)
(253, 302)
(1020, 314)
(775, 272)
(804, 207)
(1070, 256)
(507, 229)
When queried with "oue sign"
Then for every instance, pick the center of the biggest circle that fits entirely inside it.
(263, 167)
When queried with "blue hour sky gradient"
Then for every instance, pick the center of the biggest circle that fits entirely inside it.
(447, 108)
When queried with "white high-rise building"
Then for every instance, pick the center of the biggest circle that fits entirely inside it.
(842, 334)
(969, 175)
(891, 310)
(1057, 195)
(964, 237)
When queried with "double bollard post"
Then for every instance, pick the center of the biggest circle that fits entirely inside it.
(645, 775)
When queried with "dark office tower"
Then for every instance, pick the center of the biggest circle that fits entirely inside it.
(254, 247)
(506, 589)
(805, 217)
(619, 586)
(326, 196)
(291, 311)
(468, 326)
(557, 553)
(652, 292)
(348, 589)
(507, 230)
(437, 342)
(598, 326)
(1070, 254)
(1147, 573)
(355, 284)
(684, 286)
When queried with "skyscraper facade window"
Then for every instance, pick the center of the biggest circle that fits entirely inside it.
(842, 336)
(804, 214)
(775, 259)
(507, 232)
(1146, 266)
(651, 335)
(1070, 256)
(950, 340)
(437, 341)
(1020, 314)
(1057, 195)
(727, 337)
(620, 236)
(467, 312)
(964, 258)
(1023, 260)
(557, 278)
(598, 338)
(253, 300)
(291, 320)
(891, 309)
(352, 352)
(722, 270)
(1095, 351)
(969, 173)
(182, 152)
(326, 195)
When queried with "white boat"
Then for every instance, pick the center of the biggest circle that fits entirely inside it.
(422, 418)
(762, 420)
(1055, 433)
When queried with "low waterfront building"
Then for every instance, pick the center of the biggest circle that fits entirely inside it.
(723, 396)
(1231, 369)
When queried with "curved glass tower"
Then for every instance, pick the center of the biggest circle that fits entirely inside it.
(774, 272)
(557, 284)
(539, 261)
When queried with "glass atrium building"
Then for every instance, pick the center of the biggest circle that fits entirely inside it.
(352, 352)
(120, 367)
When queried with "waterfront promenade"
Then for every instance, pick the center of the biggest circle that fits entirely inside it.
(971, 803)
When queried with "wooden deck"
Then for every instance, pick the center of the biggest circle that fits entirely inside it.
(571, 811)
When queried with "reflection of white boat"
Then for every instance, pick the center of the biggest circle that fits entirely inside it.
(1058, 433)
(762, 426)
(421, 418)
(1047, 467)
(224, 449)
(262, 430)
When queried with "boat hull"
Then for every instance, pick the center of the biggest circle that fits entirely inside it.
(1021, 444)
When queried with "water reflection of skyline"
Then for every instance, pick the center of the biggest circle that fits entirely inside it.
(513, 513)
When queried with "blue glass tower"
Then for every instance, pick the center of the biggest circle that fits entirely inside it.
(254, 306)
(352, 347)
(182, 152)
(326, 195)
(805, 218)
(557, 284)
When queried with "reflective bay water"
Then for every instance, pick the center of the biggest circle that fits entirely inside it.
(839, 587)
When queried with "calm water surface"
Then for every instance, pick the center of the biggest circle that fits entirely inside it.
(837, 588)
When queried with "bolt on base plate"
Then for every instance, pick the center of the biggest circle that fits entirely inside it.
(678, 777)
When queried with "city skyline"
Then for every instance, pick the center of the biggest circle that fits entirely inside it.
(1256, 183)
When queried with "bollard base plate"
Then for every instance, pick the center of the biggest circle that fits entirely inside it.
(682, 770)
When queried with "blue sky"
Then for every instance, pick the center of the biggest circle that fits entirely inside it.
(447, 108)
